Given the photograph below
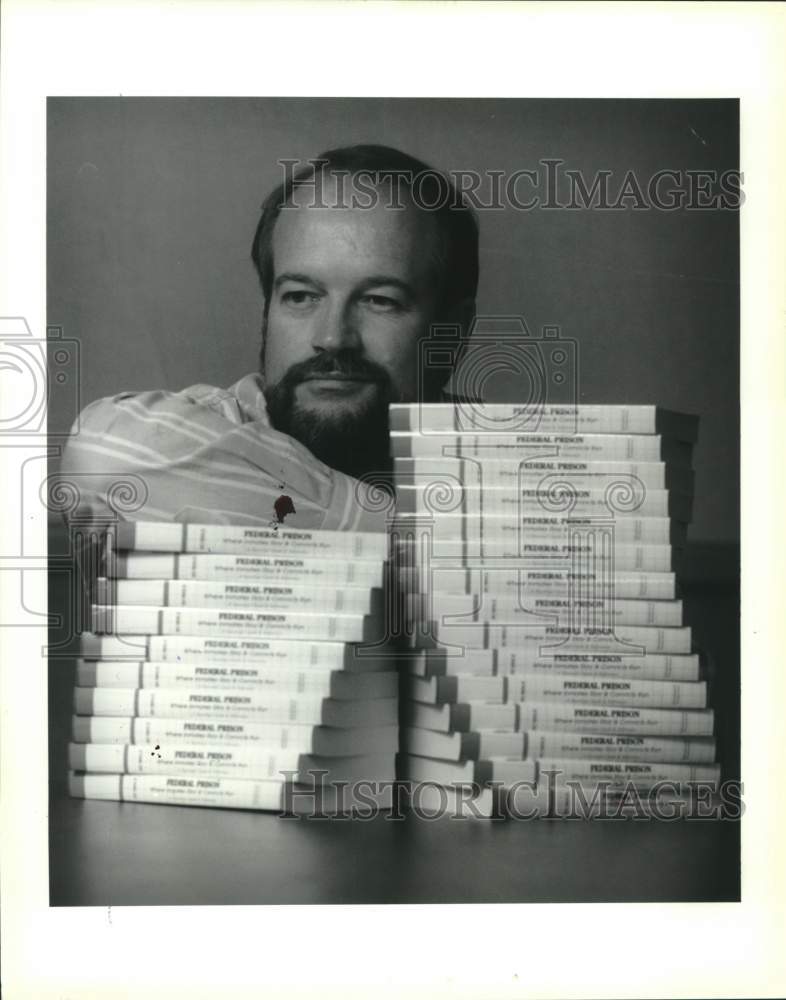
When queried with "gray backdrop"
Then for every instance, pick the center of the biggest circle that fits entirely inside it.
(152, 204)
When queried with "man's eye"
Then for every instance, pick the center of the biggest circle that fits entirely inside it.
(299, 298)
(381, 303)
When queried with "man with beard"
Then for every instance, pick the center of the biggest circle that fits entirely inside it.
(359, 253)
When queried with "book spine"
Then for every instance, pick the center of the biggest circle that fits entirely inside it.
(510, 528)
(139, 620)
(419, 666)
(547, 419)
(489, 473)
(475, 745)
(283, 652)
(518, 584)
(111, 674)
(225, 762)
(644, 558)
(229, 793)
(508, 771)
(143, 565)
(215, 761)
(430, 769)
(462, 803)
(479, 715)
(249, 707)
(425, 743)
(223, 539)
(197, 704)
(488, 608)
(316, 544)
(654, 503)
(512, 745)
(639, 773)
(608, 691)
(222, 594)
(677, 750)
(443, 690)
(582, 447)
(310, 572)
(91, 646)
(544, 639)
(649, 667)
(505, 663)
(115, 730)
(435, 718)
(609, 719)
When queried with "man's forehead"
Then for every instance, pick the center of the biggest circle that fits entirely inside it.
(315, 222)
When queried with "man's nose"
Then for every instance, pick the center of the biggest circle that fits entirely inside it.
(336, 329)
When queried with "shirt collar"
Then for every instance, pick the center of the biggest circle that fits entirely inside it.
(249, 394)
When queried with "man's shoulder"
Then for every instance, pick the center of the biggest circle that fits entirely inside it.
(201, 402)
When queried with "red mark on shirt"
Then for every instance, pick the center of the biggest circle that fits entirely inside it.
(282, 507)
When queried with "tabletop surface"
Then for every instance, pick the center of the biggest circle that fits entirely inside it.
(113, 854)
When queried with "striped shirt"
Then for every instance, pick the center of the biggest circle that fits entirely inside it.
(207, 455)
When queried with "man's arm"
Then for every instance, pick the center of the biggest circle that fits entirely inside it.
(193, 456)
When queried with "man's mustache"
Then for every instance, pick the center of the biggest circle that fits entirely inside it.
(348, 364)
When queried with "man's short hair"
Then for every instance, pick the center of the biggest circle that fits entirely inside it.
(430, 191)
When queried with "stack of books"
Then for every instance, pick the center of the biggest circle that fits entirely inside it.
(238, 667)
(539, 570)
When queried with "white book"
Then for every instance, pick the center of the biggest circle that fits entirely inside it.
(461, 718)
(141, 620)
(467, 772)
(289, 568)
(476, 663)
(580, 500)
(461, 802)
(595, 551)
(460, 688)
(548, 418)
(228, 793)
(476, 745)
(236, 677)
(559, 639)
(573, 718)
(535, 608)
(489, 662)
(225, 594)
(602, 746)
(306, 738)
(557, 687)
(557, 716)
(582, 447)
(442, 772)
(249, 706)
(512, 527)
(226, 762)
(293, 653)
(150, 536)
(484, 472)
(606, 691)
(647, 667)
(640, 774)
(518, 583)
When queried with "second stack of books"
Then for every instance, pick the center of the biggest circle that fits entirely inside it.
(541, 578)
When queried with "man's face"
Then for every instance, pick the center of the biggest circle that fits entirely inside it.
(353, 292)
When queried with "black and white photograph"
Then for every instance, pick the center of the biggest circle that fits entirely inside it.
(380, 461)
(419, 464)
